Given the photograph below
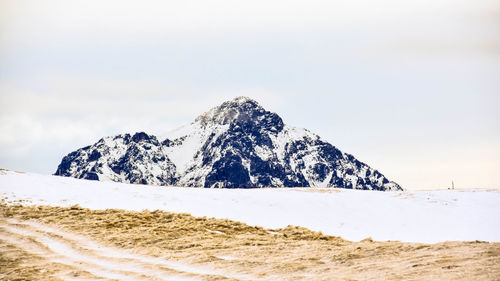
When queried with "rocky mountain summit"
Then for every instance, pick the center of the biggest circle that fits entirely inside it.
(238, 144)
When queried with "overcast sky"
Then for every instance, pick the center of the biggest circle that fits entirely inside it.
(411, 88)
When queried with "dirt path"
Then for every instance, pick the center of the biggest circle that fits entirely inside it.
(54, 243)
(89, 260)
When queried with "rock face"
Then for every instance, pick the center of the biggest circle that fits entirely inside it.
(235, 145)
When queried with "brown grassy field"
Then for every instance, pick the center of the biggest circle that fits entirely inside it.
(54, 243)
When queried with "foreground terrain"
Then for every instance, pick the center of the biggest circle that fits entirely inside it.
(74, 243)
(56, 228)
(408, 216)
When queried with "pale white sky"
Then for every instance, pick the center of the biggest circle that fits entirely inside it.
(411, 88)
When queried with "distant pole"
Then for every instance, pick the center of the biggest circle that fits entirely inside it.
(452, 185)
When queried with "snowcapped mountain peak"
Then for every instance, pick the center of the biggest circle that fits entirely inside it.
(236, 144)
(241, 111)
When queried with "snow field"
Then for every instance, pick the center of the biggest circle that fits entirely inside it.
(408, 216)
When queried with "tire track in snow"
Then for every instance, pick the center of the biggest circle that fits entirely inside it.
(85, 254)
(59, 252)
(31, 246)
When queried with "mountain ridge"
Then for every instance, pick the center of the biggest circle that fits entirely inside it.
(237, 144)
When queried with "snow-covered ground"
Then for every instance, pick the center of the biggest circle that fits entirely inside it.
(411, 216)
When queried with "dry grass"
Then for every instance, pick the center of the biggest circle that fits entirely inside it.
(17, 264)
(286, 254)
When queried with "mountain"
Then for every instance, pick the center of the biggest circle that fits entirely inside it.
(238, 144)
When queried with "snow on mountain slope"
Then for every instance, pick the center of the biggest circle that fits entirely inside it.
(123, 158)
(418, 216)
(236, 144)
